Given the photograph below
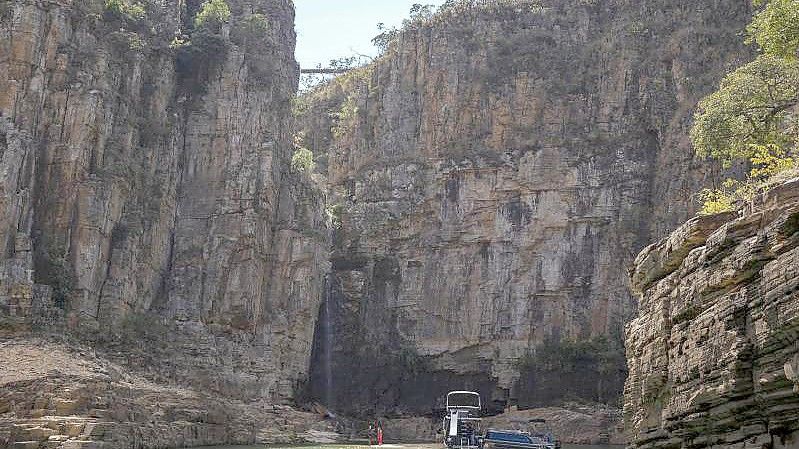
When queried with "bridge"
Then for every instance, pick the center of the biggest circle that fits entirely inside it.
(324, 71)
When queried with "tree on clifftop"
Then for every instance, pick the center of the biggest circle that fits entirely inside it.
(754, 116)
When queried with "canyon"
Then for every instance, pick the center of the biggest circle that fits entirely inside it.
(492, 175)
(170, 276)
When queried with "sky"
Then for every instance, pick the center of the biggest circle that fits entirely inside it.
(332, 29)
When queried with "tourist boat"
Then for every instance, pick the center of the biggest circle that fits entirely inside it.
(462, 421)
(517, 439)
(462, 428)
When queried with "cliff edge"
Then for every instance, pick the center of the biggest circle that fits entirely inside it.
(714, 355)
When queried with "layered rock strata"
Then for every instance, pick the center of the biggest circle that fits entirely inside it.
(493, 174)
(147, 204)
(713, 352)
(66, 395)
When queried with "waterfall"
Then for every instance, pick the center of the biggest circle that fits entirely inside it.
(328, 345)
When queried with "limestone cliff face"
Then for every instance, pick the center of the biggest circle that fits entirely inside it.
(146, 193)
(495, 171)
(713, 353)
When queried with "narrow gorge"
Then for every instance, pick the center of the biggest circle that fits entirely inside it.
(174, 273)
(493, 174)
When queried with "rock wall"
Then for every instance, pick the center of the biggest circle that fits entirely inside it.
(713, 353)
(493, 174)
(147, 203)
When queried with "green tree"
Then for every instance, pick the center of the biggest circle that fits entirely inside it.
(420, 13)
(213, 14)
(387, 35)
(302, 160)
(754, 115)
(754, 106)
(256, 23)
(132, 12)
(775, 28)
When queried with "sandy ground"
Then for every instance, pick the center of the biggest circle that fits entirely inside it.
(24, 360)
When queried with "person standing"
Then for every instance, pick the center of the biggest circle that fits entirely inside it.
(379, 433)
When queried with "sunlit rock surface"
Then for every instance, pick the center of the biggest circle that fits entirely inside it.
(65, 395)
(147, 205)
(494, 174)
(713, 352)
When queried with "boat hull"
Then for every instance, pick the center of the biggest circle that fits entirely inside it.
(507, 439)
(515, 445)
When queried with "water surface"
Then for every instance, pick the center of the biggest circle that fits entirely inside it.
(392, 446)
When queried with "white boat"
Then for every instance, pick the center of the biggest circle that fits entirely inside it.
(462, 422)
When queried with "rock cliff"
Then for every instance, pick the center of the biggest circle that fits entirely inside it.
(148, 205)
(713, 353)
(491, 177)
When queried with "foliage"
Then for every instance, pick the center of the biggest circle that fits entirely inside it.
(55, 270)
(716, 201)
(256, 23)
(592, 369)
(127, 40)
(752, 107)
(411, 361)
(198, 59)
(345, 117)
(300, 105)
(137, 326)
(569, 356)
(252, 31)
(754, 115)
(179, 42)
(213, 14)
(303, 161)
(334, 214)
(128, 11)
(310, 81)
(346, 63)
(387, 35)
(775, 28)
(419, 13)
(136, 43)
(767, 162)
(199, 56)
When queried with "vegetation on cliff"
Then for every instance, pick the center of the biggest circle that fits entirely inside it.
(754, 115)
(562, 370)
(214, 13)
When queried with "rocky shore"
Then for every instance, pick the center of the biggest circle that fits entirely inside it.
(60, 394)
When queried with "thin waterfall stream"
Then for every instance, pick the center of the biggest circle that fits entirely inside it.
(328, 346)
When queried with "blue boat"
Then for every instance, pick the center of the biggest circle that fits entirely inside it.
(517, 439)
(461, 428)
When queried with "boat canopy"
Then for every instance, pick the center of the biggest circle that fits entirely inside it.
(463, 399)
